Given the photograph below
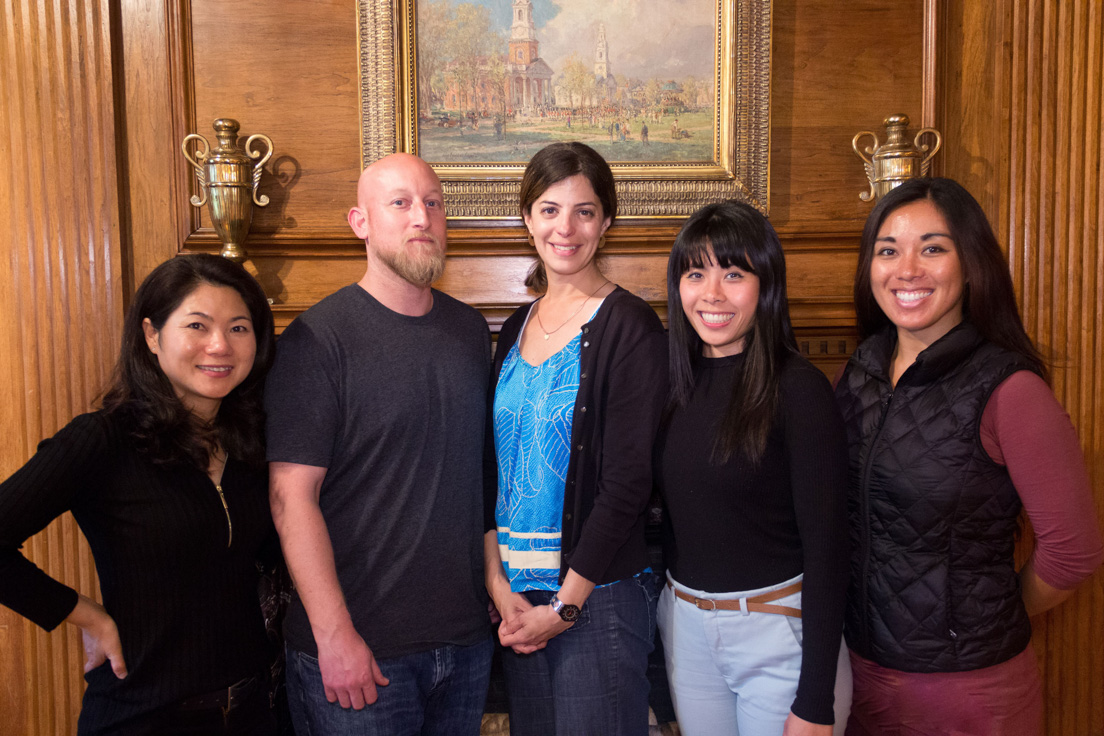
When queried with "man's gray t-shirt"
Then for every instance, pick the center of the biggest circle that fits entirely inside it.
(394, 407)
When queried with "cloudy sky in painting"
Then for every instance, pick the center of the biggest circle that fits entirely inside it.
(647, 38)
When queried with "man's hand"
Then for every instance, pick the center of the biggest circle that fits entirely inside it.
(800, 727)
(349, 670)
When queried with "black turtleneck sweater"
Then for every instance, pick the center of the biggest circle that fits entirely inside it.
(737, 527)
(185, 603)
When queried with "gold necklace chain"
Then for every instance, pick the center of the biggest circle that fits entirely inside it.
(549, 333)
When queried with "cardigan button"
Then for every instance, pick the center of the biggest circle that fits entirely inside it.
(583, 376)
(582, 409)
(567, 516)
(586, 344)
(579, 448)
(586, 330)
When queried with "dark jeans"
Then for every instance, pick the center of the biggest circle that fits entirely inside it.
(591, 679)
(436, 693)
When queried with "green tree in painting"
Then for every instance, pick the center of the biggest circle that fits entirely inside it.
(469, 43)
(434, 19)
(495, 74)
(653, 92)
(690, 89)
(578, 82)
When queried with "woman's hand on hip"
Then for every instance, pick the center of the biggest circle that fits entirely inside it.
(796, 726)
(99, 635)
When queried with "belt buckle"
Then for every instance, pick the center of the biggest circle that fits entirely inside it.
(712, 604)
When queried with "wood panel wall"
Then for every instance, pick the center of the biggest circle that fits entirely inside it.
(1021, 105)
(1009, 83)
(61, 299)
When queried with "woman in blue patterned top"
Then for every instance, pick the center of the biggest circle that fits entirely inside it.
(580, 382)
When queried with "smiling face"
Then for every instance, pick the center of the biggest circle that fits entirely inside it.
(566, 223)
(720, 305)
(400, 214)
(916, 274)
(205, 348)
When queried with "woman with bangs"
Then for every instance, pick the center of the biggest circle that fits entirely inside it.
(752, 465)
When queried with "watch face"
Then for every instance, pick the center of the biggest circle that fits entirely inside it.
(567, 611)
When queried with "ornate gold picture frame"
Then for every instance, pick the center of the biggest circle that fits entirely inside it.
(735, 164)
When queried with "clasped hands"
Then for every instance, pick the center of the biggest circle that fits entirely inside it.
(526, 628)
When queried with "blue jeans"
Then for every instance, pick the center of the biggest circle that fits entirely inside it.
(593, 678)
(436, 693)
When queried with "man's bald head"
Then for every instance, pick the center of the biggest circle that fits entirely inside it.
(400, 215)
(396, 167)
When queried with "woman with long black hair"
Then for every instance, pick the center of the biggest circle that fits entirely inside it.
(752, 469)
(168, 483)
(952, 430)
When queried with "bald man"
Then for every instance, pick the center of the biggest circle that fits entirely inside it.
(376, 406)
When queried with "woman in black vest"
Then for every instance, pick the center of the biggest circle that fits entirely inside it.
(168, 483)
(952, 430)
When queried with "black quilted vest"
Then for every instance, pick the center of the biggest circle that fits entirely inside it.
(933, 519)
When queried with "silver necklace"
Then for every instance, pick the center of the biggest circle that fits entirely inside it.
(550, 333)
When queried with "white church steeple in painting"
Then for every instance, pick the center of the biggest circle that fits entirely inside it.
(601, 54)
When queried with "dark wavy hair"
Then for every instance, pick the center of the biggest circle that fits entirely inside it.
(551, 165)
(734, 234)
(140, 392)
(989, 299)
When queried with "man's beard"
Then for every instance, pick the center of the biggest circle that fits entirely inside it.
(417, 263)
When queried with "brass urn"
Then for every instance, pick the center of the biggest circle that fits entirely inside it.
(898, 159)
(228, 178)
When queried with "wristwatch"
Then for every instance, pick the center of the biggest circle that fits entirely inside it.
(568, 612)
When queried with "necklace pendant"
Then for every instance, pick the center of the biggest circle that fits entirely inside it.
(546, 336)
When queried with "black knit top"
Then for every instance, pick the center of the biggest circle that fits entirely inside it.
(736, 527)
(183, 593)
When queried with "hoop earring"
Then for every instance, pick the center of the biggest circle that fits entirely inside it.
(601, 242)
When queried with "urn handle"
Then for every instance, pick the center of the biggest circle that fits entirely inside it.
(197, 164)
(922, 147)
(258, 167)
(868, 164)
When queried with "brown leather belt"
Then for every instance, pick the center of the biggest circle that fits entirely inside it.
(757, 604)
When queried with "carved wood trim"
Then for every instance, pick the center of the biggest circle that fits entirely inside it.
(1021, 105)
(62, 302)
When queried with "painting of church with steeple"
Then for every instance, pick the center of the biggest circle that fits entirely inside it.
(499, 79)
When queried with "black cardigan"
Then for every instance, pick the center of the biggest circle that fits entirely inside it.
(622, 390)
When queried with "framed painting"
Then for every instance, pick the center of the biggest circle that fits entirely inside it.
(675, 94)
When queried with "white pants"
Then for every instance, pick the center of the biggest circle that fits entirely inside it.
(734, 673)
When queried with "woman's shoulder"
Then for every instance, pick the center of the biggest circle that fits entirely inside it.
(798, 371)
(627, 310)
(94, 426)
(87, 438)
(514, 322)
